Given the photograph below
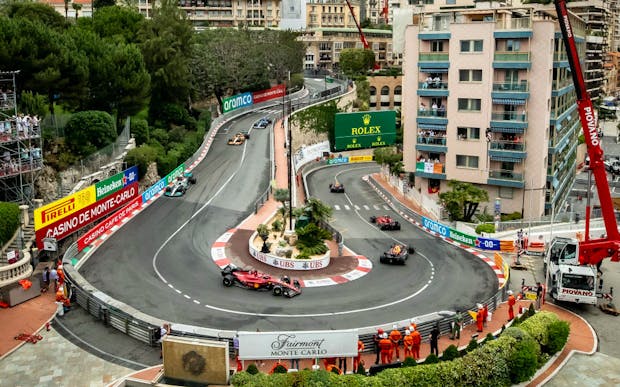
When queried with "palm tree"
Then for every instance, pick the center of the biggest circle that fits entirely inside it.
(319, 212)
(67, 9)
(77, 8)
(281, 195)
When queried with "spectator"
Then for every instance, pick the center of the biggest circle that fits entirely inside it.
(376, 338)
(164, 331)
(46, 279)
(54, 278)
(456, 326)
(435, 341)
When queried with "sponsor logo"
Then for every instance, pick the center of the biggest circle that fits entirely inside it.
(588, 114)
(237, 101)
(436, 227)
(105, 189)
(577, 292)
(58, 210)
(266, 95)
(286, 344)
(106, 225)
(153, 190)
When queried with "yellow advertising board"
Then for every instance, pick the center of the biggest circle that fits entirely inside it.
(360, 159)
(64, 207)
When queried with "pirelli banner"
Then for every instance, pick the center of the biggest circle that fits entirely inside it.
(63, 217)
(360, 130)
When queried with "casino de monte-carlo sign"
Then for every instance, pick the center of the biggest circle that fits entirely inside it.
(359, 130)
(297, 345)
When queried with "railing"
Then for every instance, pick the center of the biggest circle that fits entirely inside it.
(433, 57)
(504, 174)
(511, 86)
(431, 113)
(510, 56)
(432, 140)
(517, 146)
(430, 167)
(513, 24)
(433, 85)
(508, 116)
(16, 271)
(560, 56)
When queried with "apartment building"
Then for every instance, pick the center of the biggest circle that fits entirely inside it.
(489, 100)
(225, 13)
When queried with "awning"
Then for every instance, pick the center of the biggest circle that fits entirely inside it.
(506, 159)
(508, 101)
(507, 130)
(431, 127)
(429, 70)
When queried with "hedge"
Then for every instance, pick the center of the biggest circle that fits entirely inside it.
(9, 221)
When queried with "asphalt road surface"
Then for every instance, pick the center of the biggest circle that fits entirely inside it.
(169, 243)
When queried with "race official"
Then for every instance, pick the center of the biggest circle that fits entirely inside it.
(408, 344)
(385, 345)
(395, 337)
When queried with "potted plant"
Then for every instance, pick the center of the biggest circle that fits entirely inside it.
(263, 233)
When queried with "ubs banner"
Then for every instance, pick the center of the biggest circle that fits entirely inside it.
(297, 345)
(365, 130)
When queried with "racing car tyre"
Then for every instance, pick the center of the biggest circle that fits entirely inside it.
(397, 226)
(228, 281)
(411, 250)
(277, 290)
(373, 219)
(192, 180)
(286, 293)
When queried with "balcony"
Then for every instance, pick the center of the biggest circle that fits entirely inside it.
(506, 178)
(433, 89)
(511, 60)
(433, 57)
(511, 90)
(510, 120)
(509, 151)
(430, 170)
(436, 117)
(508, 28)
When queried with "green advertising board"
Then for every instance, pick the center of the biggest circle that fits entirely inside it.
(365, 130)
(178, 171)
(109, 186)
(460, 237)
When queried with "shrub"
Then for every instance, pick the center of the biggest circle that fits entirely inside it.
(488, 365)
(140, 130)
(88, 131)
(277, 225)
(450, 353)
(9, 221)
(252, 369)
(513, 216)
(537, 327)
(361, 370)
(288, 253)
(141, 156)
(431, 359)
(280, 369)
(473, 344)
(486, 228)
(524, 360)
(558, 335)
(531, 311)
(409, 362)
(166, 163)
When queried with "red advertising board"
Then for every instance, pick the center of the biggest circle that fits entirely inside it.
(108, 223)
(266, 95)
(72, 223)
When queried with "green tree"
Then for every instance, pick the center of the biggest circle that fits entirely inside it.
(166, 48)
(282, 195)
(100, 132)
(391, 157)
(33, 11)
(142, 156)
(67, 9)
(356, 61)
(99, 4)
(318, 211)
(33, 104)
(463, 200)
(318, 119)
(118, 23)
(77, 7)
(362, 101)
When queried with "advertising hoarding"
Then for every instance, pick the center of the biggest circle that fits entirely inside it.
(70, 204)
(178, 171)
(297, 345)
(236, 102)
(107, 224)
(462, 238)
(265, 95)
(78, 219)
(365, 129)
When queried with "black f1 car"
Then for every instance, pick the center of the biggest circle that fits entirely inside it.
(397, 254)
(336, 187)
(385, 222)
(252, 279)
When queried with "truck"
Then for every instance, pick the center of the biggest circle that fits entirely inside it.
(571, 264)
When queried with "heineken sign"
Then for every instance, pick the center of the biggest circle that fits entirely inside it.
(365, 130)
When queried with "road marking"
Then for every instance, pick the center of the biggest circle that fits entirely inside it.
(336, 207)
(376, 207)
(357, 207)
(386, 208)
(346, 207)
(366, 208)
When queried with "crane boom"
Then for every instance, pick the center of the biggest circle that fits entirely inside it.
(591, 251)
(359, 28)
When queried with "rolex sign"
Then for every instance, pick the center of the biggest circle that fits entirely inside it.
(365, 130)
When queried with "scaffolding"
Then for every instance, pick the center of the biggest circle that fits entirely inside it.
(21, 155)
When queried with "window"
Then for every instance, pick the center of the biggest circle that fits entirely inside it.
(506, 192)
(309, 57)
(337, 45)
(373, 90)
(464, 133)
(385, 90)
(472, 104)
(398, 90)
(513, 45)
(436, 46)
(467, 161)
(470, 75)
(471, 45)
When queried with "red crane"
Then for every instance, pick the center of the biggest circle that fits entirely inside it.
(359, 29)
(590, 251)
(385, 11)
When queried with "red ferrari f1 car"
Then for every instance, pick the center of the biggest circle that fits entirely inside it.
(252, 279)
(385, 222)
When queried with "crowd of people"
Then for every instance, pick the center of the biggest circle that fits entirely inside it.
(435, 110)
(19, 126)
(432, 82)
(431, 137)
(20, 160)
(7, 99)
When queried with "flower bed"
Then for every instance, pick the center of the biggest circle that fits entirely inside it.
(276, 258)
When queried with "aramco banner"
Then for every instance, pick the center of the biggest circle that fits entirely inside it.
(364, 130)
(236, 102)
(62, 208)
